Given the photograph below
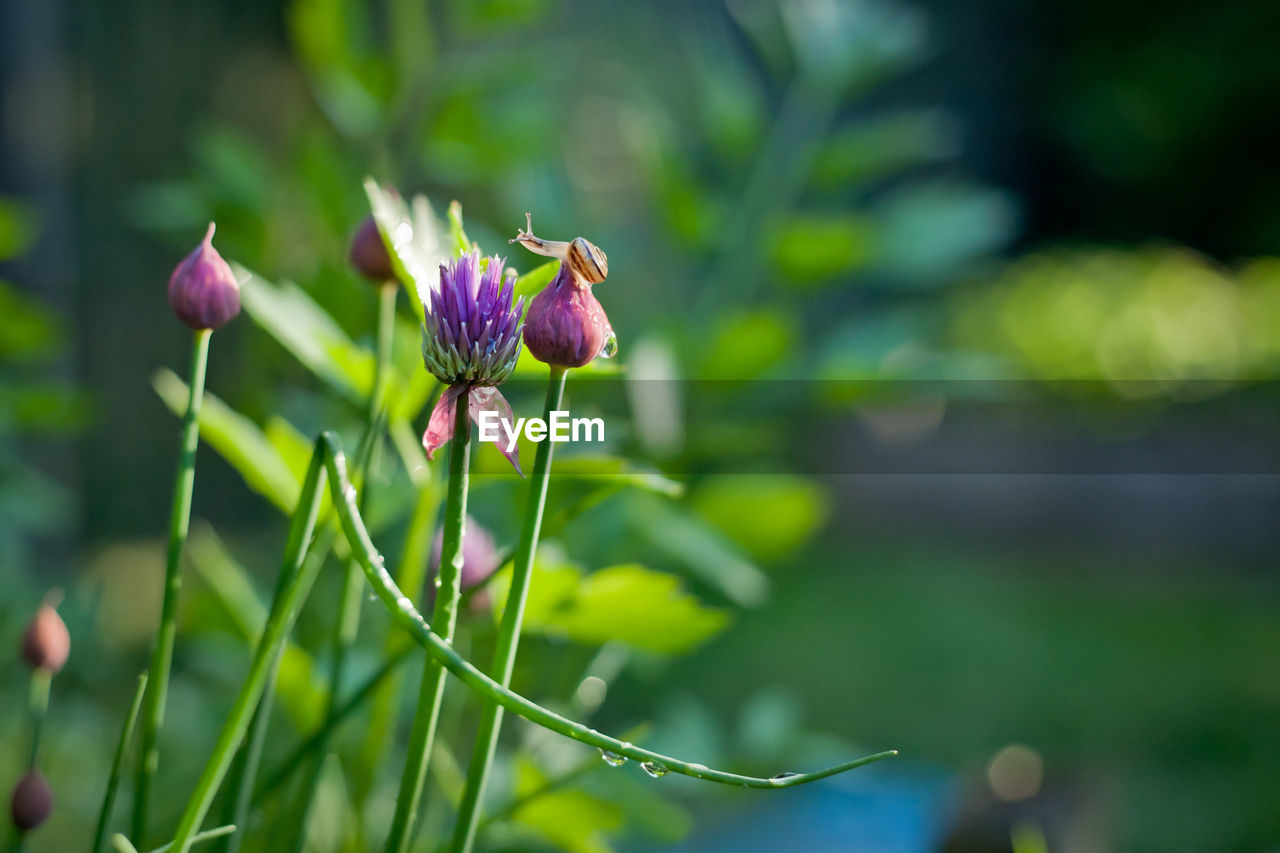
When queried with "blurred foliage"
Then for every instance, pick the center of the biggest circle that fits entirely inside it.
(37, 405)
(775, 209)
(1155, 321)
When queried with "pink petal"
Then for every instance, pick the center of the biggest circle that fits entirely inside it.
(488, 398)
(440, 427)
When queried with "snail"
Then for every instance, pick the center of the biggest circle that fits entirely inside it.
(585, 259)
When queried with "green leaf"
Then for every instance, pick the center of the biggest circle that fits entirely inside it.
(237, 439)
(531, 283)
(615, 470)
(631, 604)
(18, 229)
(749, 344)
(457, 234)
(572, 820)
(28, 330)
(811, 249)
(769, 515)
(305, 329)
(701, 550)
(415, 240)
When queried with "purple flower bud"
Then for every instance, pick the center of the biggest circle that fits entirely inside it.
(202, 290)
(32, 801)
(479, 557)
(566, 325)
(46, 643)
(369, 253)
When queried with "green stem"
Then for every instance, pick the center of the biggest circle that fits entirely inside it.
(448, 591)
(504, 655)
(179, 521)
(37, 707)
(296, 576)
(113, 780)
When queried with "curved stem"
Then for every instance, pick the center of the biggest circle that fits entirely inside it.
(404, 613)
(179, 521)
(448, 591)
(504, 655)
(113, 779)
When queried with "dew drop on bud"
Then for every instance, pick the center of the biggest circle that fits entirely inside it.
(655, 769)
(610, 348)
(612, 758)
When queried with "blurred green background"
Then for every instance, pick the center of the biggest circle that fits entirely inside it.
(879, 218)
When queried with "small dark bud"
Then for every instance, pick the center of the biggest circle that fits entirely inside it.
(46, 642)
(369, 253)
(202, 290)
(32, 801)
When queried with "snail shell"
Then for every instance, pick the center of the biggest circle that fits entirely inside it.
(587, 261)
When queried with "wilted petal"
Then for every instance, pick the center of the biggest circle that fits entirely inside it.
(440, 427)
(490, 399)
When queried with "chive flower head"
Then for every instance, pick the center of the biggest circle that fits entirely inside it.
(471, 341)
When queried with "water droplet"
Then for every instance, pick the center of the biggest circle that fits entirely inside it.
(610, 346)
(439, 582)
(781, 776)
(655, 769)
(612, 758)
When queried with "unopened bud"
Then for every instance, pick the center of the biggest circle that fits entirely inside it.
(32, 801)
(46, 643)
(203, 291)
(369, 253)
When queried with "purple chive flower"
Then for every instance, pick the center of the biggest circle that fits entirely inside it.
(479, 558)
(470, 341)
(566, 325)
(369, 253)
(202, 290)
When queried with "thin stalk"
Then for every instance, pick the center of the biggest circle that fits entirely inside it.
(113, 780)
(504, 655)
(296, 576)
(37, 708)
(179, 522)
(448, 591)
(347, 624)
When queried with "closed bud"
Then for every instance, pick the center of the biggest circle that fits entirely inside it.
(202, 290)
(32, 801)
(566, 326)
(46, 643)
(369, 253)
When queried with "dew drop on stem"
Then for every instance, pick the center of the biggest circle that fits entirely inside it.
(655, 769)
(612, 758)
